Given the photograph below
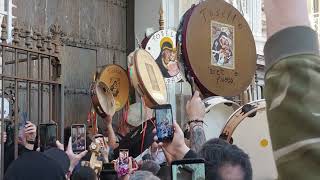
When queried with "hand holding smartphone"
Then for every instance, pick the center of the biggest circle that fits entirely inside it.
(78, 136)
(123, 162)
(48, 136)
(164, 122)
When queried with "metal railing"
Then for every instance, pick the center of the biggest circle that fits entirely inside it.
(29, 77)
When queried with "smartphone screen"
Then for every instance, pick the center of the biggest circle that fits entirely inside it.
(48, 136)
(123, 165)
(193, 169)
(78, 136)
(164, 122)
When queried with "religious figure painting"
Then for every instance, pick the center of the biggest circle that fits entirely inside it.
(222, 45)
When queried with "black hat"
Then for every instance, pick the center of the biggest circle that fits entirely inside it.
(34, 165)
(60, 157)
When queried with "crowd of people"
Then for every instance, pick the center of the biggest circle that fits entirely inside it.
(292, 83)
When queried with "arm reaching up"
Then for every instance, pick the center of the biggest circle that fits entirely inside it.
(292, 85)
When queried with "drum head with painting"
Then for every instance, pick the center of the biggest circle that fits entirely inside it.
(150, 77)
(162, 47)
(116, 78)
(219, 48)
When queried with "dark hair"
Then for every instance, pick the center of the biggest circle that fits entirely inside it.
(143, 175)
(151, 166)
(218, 153)
(84, 173)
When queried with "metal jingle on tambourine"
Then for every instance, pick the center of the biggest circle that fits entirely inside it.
(102, 99)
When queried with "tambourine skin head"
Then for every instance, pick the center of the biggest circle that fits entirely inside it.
(220, 48)
(102, 99)
(116, 78)
(150, 80)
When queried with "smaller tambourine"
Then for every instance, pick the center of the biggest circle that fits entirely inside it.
(102, 99)
(148, 79)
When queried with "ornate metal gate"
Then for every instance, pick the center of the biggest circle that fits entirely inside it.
(30, 72)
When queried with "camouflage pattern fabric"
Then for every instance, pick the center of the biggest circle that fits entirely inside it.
(293, 102)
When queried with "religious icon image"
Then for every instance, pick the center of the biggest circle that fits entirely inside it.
(115, 85)
(167, 60)
(222, 45)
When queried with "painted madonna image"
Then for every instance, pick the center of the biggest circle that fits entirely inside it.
(167, 59)
(222, 43)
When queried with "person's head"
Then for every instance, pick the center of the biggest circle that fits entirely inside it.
(84, 173)
(143, 175)
(36, 165)
(225, 161)
(151, 166)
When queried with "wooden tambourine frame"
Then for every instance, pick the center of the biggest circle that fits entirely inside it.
(248, 110)
(142, 82)
(205, 25)
(98, 99)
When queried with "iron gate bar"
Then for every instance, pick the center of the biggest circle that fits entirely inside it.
(50, 87)
(28, 88)
(2, 124)
(44, 54)
(45, 82)
(39, 101)
(16, 112)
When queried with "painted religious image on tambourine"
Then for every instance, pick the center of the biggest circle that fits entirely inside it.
(162, 47)
(222, 45)
(115, 85)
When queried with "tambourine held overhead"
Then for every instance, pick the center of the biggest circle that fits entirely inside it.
(218, 48)
(116, 78)
(148, 79)
(102, 99)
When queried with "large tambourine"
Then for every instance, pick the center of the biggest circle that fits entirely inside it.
(116, 78)
(218, 111)
(147, 79)
(248, 128)
(218, 48)
(102, 99)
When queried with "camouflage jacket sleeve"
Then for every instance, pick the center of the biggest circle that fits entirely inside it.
(293, 102)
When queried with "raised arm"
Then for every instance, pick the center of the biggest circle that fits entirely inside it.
(292, 83)
(285, 13)
(112, 140)
(195, 111)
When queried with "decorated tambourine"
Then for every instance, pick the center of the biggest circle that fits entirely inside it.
(218, 48)
(162, 47)
(102, 99)
(147, 79)
(116, 78)
(248, 128)
(218, 111)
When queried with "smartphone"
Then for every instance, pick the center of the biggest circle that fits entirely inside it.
(188, 169)
(22, 124)
(48, 136)
(78, 136)
(164, 122)
(123, 162)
